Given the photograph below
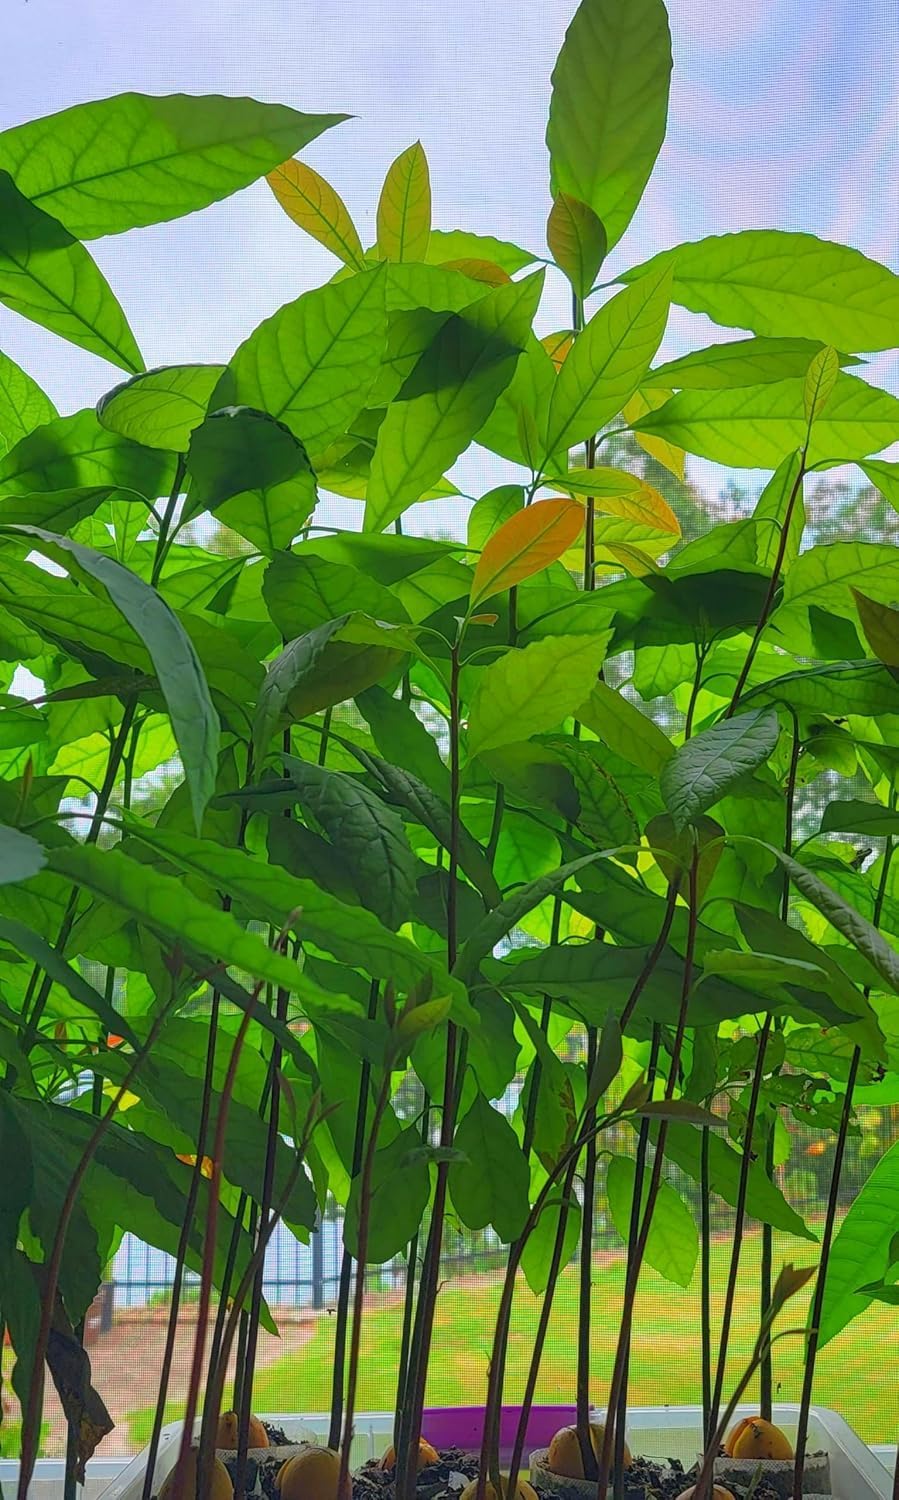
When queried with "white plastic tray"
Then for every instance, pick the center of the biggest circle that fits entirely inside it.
(656, 1431)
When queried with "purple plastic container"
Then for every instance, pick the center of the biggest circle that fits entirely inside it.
(463, 1426)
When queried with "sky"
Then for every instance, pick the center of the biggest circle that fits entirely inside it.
(783, 114)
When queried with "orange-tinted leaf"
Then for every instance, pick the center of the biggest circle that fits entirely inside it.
(478, 270)
(667, 454)
(313, 204)
(634, 562)
(557, 346)
(404, 208)
(529, 541)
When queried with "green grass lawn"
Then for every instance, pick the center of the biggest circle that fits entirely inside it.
(856, 1374)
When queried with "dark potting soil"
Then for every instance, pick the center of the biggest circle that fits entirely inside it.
(448, 1477)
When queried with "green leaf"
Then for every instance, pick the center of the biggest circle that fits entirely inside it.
(880, 623)
(48, 277)
(499, 922)
(235, 449)
(349, 933)
(672, 1246)
(607, 362)
(859, 817)
(609, 106)
(408, 747)
(861, 1248)
(628, 731)
(448, 397)
(754, 427)
(743, 362)
(60, 510)
(851, 925)
(135, 159)
(313, 204)
(75, 451)
(160, 408)
(23, 405)
(538, 1252)
(458, 244)
(303, 591)
(820, 380)
(827, 577)
(325, 666)
(527, 691)
(195, 723)
(577, 242)
(774, 281)
(272, 517)
(885, 477)
(21, 856)
(55, 967)
(705, 768)
(368, 834)
(491, 1187)
(313, 362)
(492, 511)
(764, 1199)
(401, 1185)
(771, 512)
(404, 207)
(164, 905)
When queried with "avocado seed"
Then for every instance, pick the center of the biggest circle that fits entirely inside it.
(220, 1486)
(427, 1454)
(718, 1493)
(756, 1438)
(311, 1475)
(226, 1432)
(523, 1490)
(565, 1458)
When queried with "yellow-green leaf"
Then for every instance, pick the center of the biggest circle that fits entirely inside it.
(820, 380)
(615, 492)
(577, 241)
(404, 208)
(532, 690)
(669, 455)
(319, 209)
(529, 541)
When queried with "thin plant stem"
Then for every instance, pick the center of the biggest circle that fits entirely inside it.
(31, 1417)
(633, 1271)
(407, 1452)
(585, 1284)
(811, 1354)
(409, 1301)
(346, 1262)
(215, 1184)
(766, 1269)
(705, 1282)
(542, 1329)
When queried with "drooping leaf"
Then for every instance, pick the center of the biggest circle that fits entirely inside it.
(538, 1252)
(577, 242)
(860, 1250)
(327, 665)
(314, 204)
(609, 106)
(855, 928)
(777, 282)
(366, 832)
(51, 960)
(672, 1246)
(448, 397)
(491, 1186)
(349, 933)
(235, 449)
(135, 159)
(75, 451)
(532, 689)
(21, 856)
(530, 540)
(312, 363)
(160, 408)
(704, 769)
(404, 207)
(499, 922)
(195, 723)
(607, 362)
(757, 426)
(764, 1199)
(23, 405)
(48, 277)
